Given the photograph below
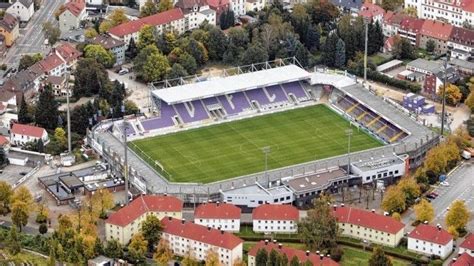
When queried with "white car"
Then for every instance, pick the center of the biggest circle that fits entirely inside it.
(444, 183)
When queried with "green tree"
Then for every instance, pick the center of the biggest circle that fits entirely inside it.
(3, 162)
(28, 60)
(273, 258)
(424, 211)
(151, 229)
(90, 78)
(212, 258)
(13, 244)
(458, 215)
(22, 194)
(60, 137)
(137, 247)
(397, 216)
(165, 5)
(117, 17)
(90, 33)
(102, 56)
(379, 258)
(340, 59)
(155, 67)
(113, 249)
(392, 5)
(216, 44)
(376, 38)
(262, 257)
(176, 71)
(312, 38)
(142, 57)
(188, 62)
(103, 200)
(329, 50)
(198, 51)
(20, 214)
(149, 8)
(51, 32)
(105, 26)
(24, 115)
(47, 114)
(6, 193)
(226, 20)
(319, 229)
(43, 228)
(254, 54)
(322, 11)
(146, 36)
(402, 49)
(430, 46)
(295, 261)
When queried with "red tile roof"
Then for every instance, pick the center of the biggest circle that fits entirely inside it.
(462, 36)
(51, 62)
(27, 130)
(3, 140)
(370, 10)
(68, 52)
(436, 30)
(154, 20)
(291, 252)
(468, 5)
(464, 260)
(218, 3)
(410, 24)
(200, 233)
(276, 212)
(392, 18)
(217, 211)
(468, 242)
(144, 204)
(75, 7)
(9, 22)
(368, 219)
(431, 234)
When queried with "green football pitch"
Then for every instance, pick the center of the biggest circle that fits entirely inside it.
(232, 149)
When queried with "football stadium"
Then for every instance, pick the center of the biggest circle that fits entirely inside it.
(259, 124)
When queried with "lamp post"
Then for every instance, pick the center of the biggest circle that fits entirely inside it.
(366, 23)
(125, 150)
(266, 150)
(69, 149)
(443, 100)
(349, 133)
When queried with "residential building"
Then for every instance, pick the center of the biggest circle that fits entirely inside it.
(25, 81)
(94, 2)
(73, 14)
(410, 29)
(454, 12)
(303, 257)
(130, 13)
(461, 42)
(369, 225)
(58, 85)
(238, 6)
(464, 260)
(9, 28)
(392, 23)
(195, 13)
(124, 223)
(116, 47)
(372, 12)
(430, 240)
(171, 20)
(463, 67)
(467, 246)
(254, 5)
(197, 240)
(51, 65)
(22, 9)
(21, 134)
(348, 6)
(273, 218)
(219, 6)
(7, 98)
(439, 32)
(255, 195)
(432, 74)
(4, 6)
(218, 215)
(389, 44)
(4, 143)
(69, 54)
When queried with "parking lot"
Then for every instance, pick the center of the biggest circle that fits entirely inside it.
(12, 173)
(137, 92)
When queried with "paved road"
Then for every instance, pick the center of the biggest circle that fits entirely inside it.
(31, 38)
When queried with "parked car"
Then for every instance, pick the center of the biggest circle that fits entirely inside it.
(444, 184)
(123, 71)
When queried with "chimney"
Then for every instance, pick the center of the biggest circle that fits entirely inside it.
(217, 203)
(328, 255)
(342, 204)
(307, 253)
(321, 256)
(222, 232)
(183, 221)
(317, 252)
(57, 187)
(166, 194)
(274, 241)
(373, 210)
(208, 228)
(334, 206)
(266, 241)
(169, 218)
(280, 246)
(425, 222)
(210, 201)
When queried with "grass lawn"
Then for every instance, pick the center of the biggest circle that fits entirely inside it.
(25, 257)
(233, 149)
(357, 257)
(377, 59)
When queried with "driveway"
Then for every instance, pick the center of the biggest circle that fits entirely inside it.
(137, 92)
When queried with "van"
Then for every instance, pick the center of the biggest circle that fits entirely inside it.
(466, 155)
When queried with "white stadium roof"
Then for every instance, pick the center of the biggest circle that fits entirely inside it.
(230, 84)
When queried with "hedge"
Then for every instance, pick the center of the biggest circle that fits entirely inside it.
(401, 84)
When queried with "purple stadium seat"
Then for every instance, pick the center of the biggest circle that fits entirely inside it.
(239, 103)
(276, 94)
(296, 89)
(199, 113)
(257, 95)
(210, 101)
(165, 119)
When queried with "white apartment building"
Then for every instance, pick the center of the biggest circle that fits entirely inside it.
(124, 223)
(116, 47)
(73, 14)
(430, 240)
(467, 246)
(461, 41)
(220, 216)
(254, 5)
(455, 12)
(21, 134)
(197, 240)
(273, 218)
(238, 6)
(22, 9)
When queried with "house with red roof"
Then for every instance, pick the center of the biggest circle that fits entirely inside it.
(462, 42)
(187, 237)
(391, 23)
(454, 12)
(74, 12)
(21, 134)
(9, 28)
(437, 31)
(464, 260)
(68, 53)
(430, 240)
(126, 222)
(170, 20)
(410, 29)
(4, 143)
(51, 65)
(222, 216)
(219, 6)
(372, 12)
(302, 256)
(467, 246)
(369, 226)
(275, 218)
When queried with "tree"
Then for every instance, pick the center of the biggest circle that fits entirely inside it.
(410, 189)
(137, 247)
(312, 38)
(319, 229)
(46, 114)
(410, 11)
(90, 33)
(240, 262)
(340, 59)
(43, 228)
(470, 99)
(376, 38)
(151, 230)
(254, 54)
(329, 49)
(20, 213)
(22, 194)
(113, 249)
(165, 5)
(273, 258)
(188, 62)
(226, 20)
(163, 253)
(90, 78)
(394, 200)
(216, 44)
(40, 146)
(212, 258)
(155, 67)
(3, 161)
(197, 50)
(6, 193)
(103, 200)
(51, 32)
(13, 243)
(105, 26)
(176, 71)
(42, 215)
(392, 5)
(453, 94)
(262, 257)
(189, 260)
(458, 215)
(60, 137)
(322, 11)
(379, 258)
(28, 60)
(146, 36)
(295, 261)
(402, 48)
(149, 8)
(430, 46)
(24, 116)
(102, 56)
(453, 231)
(397, 216)
(142, 57)
(424, 211)
(117, 17)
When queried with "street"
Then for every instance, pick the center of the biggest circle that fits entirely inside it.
(31, 38)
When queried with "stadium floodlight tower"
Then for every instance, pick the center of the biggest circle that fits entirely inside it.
(266, 150)
(366, 23)
(125, 150)
(349, 133)
(443, 101)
